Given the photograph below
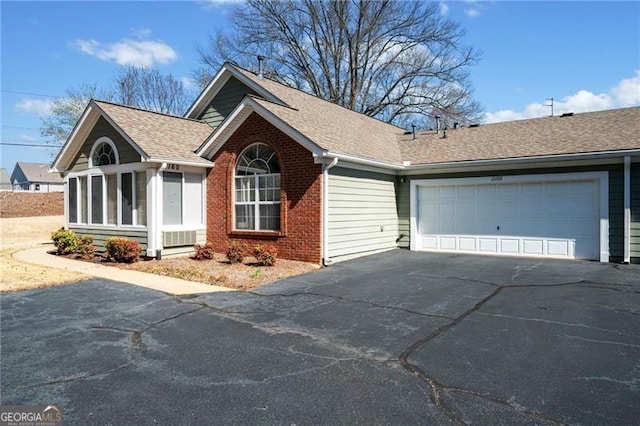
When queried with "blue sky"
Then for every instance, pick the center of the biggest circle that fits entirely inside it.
(586, 55)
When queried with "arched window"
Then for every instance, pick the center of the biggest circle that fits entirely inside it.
(257, 189)
(103, 153)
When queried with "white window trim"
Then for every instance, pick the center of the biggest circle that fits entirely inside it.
(203, 207)
(256, 203)
(97, 143)
(103, 172)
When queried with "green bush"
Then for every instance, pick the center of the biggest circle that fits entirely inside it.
(122, 250)
(204, 252)
(235, 252)
(266, 256)
(66, 241)
(85, 248)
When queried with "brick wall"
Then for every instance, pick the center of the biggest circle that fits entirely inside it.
(29, 204)
(300, 235)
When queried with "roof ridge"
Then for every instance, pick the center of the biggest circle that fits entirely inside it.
(546, 117)
(313, 96)
(136, 108)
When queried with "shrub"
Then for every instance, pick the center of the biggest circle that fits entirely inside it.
(204, 252)
(85, 248)
(266, 256)
(122, 250)
(235, 252)
(66, 241)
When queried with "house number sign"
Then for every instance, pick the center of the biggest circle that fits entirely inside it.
(173, 167)
(496, 178)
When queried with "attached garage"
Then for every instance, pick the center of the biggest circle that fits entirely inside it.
(561, 215)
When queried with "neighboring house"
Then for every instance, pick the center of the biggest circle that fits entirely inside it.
(35, 177)
(5, 182)
(323, 183)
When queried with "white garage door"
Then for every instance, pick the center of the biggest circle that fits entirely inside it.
(543, 215)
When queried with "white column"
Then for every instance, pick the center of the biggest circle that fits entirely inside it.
(627, 209)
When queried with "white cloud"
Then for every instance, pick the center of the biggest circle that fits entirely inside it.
(628, 91)
(38, 107)
(625, 93)
(140, 53)
(472, 12)
(214, 3)
(27, 138)
(189, 83)
(444, 9)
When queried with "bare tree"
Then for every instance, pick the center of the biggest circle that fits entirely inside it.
(149, 89)
(145, 88)
(67, 110)
(394, 60)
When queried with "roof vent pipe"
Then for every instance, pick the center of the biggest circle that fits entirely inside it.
(437, 124)
(260, 66)
(413, 131)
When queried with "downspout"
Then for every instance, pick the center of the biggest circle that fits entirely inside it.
(325, 210)
(627, 209)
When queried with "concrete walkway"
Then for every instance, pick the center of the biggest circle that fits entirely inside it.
(176, 286)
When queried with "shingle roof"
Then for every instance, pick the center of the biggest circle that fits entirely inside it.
(341, 130)
(160, 136)
(330, 126)
(38, 172)
(612, 130)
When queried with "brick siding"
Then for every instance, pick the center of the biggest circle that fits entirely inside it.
(300, 236)
(29, 204)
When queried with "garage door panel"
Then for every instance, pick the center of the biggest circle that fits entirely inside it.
(530, 218)
(507, 208)
(446, 192)
(486, 192)
(582, 207)
(446, 226)
(532, 247)
(559, 248)
(583, 188)
(556, 190)
(510, 245)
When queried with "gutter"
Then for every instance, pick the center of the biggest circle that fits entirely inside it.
(325, 208)
(522, 160)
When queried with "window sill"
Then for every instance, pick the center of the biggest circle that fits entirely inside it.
(257, 234)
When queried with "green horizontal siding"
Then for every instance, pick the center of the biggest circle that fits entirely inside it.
(100, 235)
(362, 213)
(616, 200)
(224, 102)
(126, 153)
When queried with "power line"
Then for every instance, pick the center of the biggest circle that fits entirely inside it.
(17, 92)
(19, 128)
(30, 144)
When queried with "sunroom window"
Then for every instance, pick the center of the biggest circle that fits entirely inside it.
(111, 199)
(257, 190)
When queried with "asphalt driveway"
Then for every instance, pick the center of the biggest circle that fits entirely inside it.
(399, 338)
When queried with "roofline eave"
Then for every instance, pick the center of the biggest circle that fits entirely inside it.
(585, 156)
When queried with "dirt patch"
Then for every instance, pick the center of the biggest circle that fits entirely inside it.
(31, 204)
(23, 233)
(217, 271)
(28, 231)
(16, 276)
